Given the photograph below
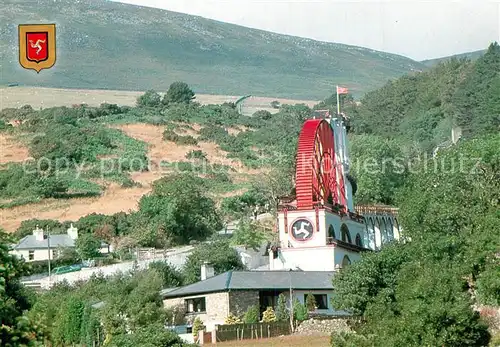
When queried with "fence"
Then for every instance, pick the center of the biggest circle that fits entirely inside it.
(229, 332)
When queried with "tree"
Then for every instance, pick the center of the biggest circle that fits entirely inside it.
(310, 302)
(178, 92)
(252, 315)
(299, 311)
(176, 212)
(150, 99)
(171, 277)
(69, 326)
(250, 235)
(87, 246)
(418, 292)
(282, 314)
(16, 328)
(197, 326)
(216, 252)
(379, 167)
(268, 315)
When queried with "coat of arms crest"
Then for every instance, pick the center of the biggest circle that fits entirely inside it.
(37, 46)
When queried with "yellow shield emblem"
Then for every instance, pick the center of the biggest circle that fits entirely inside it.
(37, 46)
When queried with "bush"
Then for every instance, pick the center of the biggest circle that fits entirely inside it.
(196, 154)
(149, 99)
(252, 315)
(169, 135)
(282, 314)
(197, 326)
(232, 319)
(178, 92)
(299, 311)
(269, 315)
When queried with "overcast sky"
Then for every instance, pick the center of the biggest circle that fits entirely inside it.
(419, 29)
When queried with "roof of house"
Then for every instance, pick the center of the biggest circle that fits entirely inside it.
(262, 280)
(62, 240)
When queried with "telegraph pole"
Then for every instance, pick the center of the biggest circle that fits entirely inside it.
(48, 246)
(291, 300)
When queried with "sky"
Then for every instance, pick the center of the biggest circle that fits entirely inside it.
(419, 29)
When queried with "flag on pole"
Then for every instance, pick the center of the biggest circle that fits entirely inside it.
(342, 90)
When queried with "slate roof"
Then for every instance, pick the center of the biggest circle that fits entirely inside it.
(62, 240)
(261, 280)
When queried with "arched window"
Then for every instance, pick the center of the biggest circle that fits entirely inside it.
(346, 236)
(359, 242)
(331, 232)
(346, 261)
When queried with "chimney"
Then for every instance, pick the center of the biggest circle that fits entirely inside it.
(72, 232)
(38, 233)
(207, 271)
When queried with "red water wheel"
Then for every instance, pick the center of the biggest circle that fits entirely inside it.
(315, 169)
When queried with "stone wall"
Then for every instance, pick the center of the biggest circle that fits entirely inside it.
(241, 300)
(216, 305)
(322, 326)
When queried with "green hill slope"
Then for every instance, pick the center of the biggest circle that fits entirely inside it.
(470, 55)
(109, 45)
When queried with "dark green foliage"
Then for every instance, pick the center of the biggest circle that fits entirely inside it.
(27, 226)
(477, 100)
(171, 276)
(379, 167)
(419, 293)
(282, 311)
(218, 253)
(87, 246)
(176, 212)
(149, 99)
(250, 234)
(252, 315)
(196, 154)
(299, 311)
(421, 109)
(310, 302)
(178, 93)
(16, 329)
(242, 205)
(488, 284)
(151, 336)
(26, 180)
(169, 135)
(4, 125)
(69, 325)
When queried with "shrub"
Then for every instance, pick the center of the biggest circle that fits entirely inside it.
(269, 316)
(150, 99)
(169, 135)
(310, 302)
(232, 319)
(282, 314)
(197, 326)
(299, 311)
(252, 315)
(178, 92)
(196, 154)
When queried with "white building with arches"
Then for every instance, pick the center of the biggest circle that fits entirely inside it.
(319, 227)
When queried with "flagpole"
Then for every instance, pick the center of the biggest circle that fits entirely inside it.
(338, 100)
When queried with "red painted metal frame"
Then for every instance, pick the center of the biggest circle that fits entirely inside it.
(316, 177)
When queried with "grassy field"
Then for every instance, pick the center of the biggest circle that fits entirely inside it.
(285, 341)
(50, 97)
(110, 45)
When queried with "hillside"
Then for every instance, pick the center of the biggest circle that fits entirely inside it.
(110, 45)
(470, 55)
